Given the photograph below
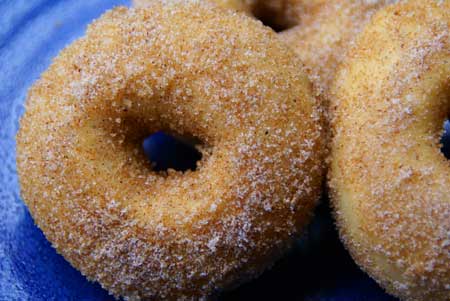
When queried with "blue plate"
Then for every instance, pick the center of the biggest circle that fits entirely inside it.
(31, 33)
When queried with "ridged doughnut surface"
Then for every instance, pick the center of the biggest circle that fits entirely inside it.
(390, 183)
(193, 70)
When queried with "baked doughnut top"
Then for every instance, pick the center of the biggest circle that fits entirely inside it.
(389, 179)
(191, 69)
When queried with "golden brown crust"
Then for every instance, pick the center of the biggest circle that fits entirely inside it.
(390, 183)
(191, 69)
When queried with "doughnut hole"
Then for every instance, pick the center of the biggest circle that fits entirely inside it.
(153, 146)
(273, 14)
(165, 151)
(445, 139)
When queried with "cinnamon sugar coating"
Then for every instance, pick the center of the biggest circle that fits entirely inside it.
(190, 69)
(390, 183)
(282, 13)
(237, 5)
(325, 31)
(319, 31)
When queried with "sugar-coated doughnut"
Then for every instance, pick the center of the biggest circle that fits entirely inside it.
(389, 181)
(324, 32)
(280, 13)
(190, 69)
(237, 5)
(319, 31)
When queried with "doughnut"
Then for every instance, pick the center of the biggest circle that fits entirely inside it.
(324, 32)
(389, 181)
(319, 31)
(197, 71)
(278, 13)
(237, 5)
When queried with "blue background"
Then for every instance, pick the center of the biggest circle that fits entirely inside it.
(31, 33)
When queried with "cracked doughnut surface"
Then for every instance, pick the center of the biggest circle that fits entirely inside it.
(389, 181)
(190, 69)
